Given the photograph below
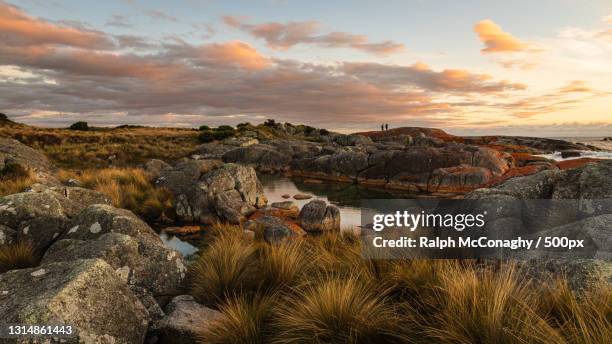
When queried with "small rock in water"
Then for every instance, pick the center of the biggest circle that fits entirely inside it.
(285, 196)
(569, 154)
(302, 196)
(286, 205)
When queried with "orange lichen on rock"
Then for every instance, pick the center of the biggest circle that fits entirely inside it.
(516, 172)
(575, 163)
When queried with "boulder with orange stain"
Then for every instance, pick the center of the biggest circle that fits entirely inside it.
(575, 163)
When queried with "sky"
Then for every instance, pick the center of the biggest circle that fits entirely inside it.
(539, 68)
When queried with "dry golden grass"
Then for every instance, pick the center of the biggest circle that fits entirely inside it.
(244, 321)
(18, 255)
(338, 310)
(224, 269)
(16, 180)
(106, 147)
(324, 292)
(129, 188)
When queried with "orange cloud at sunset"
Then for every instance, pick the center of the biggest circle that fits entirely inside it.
(497, 40)
(18, 28)
(235, 53)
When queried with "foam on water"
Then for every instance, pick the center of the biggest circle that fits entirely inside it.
(583, 154)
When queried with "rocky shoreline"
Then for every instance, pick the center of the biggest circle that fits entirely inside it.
(412, 159)
(103, 269)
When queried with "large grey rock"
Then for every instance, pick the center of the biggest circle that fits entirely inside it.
(317, 216)
(227, 192)
(212, 150)
(154, 167)
(99, 219)
(184, 321)
(36, 217)
(87, 294)
(142, 263)
(14, 152)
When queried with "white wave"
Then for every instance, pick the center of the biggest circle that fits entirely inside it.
(583, 154)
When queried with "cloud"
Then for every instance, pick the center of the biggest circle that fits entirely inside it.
(56, 80)
(608, 19)
(284, 36)
(234, 53)
(159, 15)
(498, 41)
(420, 75)
(118, 20)
(19, 29)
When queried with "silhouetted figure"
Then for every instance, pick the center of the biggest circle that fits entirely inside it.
(382, 127)
(387, 126)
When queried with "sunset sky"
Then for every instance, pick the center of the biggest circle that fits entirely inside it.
(470, 67)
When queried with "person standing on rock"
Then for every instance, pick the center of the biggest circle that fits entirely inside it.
(387, 126)
(382, 127)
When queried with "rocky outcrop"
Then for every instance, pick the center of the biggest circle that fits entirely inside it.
(141, 263)
(208, 191)
(87, 294)
(184, 321)
(43, 214)
(317, 216)
(574, 203)
(264, 157)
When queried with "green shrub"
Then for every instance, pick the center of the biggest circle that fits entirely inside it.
(79, 126)
(323, 131)
(17, 255)
(224, 128)
(204, 128)
(270, 123)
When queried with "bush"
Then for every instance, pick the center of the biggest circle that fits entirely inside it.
(338, 311)
(270, 123)
(209, 136)
(17, 255)
(79, 126)
(223, 270)
(243, 125)
(224, 128)
(244, 321)
(3, 117)
(204, 128)
(323, 131)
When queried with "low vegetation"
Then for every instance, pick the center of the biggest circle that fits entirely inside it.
(18, 255)
(319, 290)
(129, 188)
(126, 146)
(219, 133)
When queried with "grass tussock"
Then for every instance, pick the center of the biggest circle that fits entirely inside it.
(18, 255)
(319, 290)
(129, 188)
(244, 321)
(338, 311)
